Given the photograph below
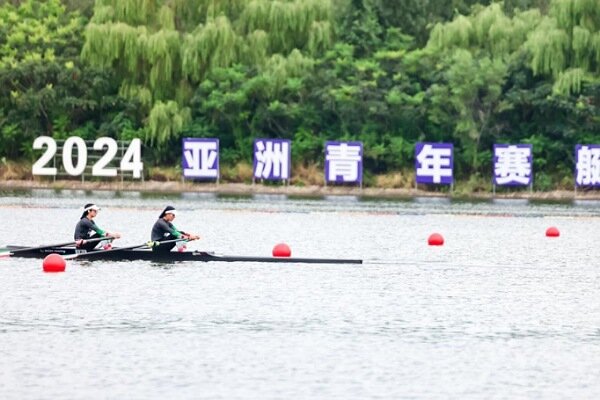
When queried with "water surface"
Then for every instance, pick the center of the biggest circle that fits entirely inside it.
(500, 311)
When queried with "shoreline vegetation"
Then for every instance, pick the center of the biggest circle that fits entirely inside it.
(307, 182)
(388, 74)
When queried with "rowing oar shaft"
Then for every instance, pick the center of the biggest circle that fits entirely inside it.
(146, 244)
(57, 245)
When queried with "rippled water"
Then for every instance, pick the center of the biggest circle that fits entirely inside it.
(500, 311)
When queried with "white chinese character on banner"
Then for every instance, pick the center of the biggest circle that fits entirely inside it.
(272, 160)
(434, 162)
(343, 160)
(588, 166)
(513, 165)
(200, 158)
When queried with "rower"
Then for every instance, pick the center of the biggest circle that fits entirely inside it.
(164, 230)
(87, 229)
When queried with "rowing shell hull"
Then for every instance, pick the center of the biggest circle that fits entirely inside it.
(173, 256)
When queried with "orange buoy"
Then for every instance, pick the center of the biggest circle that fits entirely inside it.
(282, 250)
(552, 232)
(435, 239)
(54, 263)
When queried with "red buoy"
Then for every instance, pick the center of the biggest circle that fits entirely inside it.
(282, 250)
(552, 232)
(435, 239)
(54, 263)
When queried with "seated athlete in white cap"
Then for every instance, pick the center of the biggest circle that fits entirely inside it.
(87, 229)
(163, 230)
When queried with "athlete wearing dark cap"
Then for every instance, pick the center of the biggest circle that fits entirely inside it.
(87, 229)
(164, 229)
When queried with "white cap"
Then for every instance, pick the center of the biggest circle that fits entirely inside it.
(92, 207)
(174, 212)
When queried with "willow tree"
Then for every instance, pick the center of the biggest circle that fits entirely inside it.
(488, 31)
(163, 50)
(475, 52)
(166, 121)
(566, 45)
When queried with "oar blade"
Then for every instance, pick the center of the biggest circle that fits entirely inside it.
(5, 254)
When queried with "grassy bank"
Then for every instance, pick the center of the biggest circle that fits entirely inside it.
(306, 180)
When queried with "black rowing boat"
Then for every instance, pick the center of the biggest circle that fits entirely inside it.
(173, 256)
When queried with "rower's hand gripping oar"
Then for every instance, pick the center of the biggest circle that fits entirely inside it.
(11, 252)
(148, 244)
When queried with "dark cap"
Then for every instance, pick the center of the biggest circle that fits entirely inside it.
(168, 210)
(87, 208)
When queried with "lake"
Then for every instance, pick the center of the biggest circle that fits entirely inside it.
(499, 311)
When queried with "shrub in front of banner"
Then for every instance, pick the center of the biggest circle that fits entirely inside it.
(200, 159)
(434, 163)
(513, 164)
(272, 159)
(587, 165)
(344, 162)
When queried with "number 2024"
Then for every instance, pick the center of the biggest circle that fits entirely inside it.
(131, 160)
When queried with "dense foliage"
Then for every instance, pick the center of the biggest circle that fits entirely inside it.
(389, 74)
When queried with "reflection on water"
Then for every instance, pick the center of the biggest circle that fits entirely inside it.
(499, 311)
(285, 203)
(587, 203)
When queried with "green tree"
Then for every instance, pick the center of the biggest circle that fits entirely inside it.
(44, 89)
(167, 49)
(474, 54)
(36, 41)
(566, 45)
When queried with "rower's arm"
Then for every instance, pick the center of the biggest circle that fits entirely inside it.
(186, 235)
(102, 232)
(176, 232)
(162, 227)
(97, 229)
(84, 226)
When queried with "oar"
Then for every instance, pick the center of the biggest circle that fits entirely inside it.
(147, 244)
(11, 252)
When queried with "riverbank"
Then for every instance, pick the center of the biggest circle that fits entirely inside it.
(290, 190)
